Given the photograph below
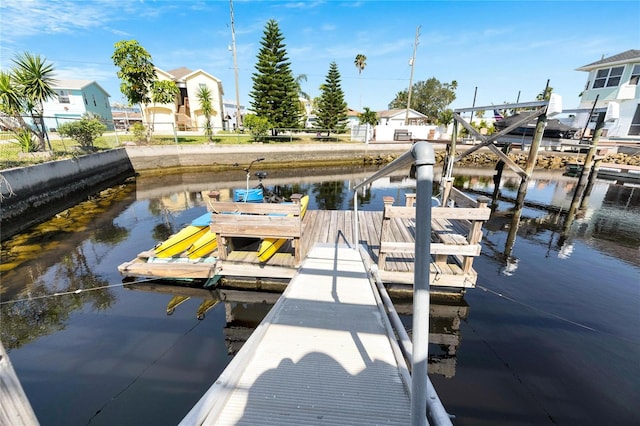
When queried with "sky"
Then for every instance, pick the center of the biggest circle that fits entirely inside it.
(499, 51)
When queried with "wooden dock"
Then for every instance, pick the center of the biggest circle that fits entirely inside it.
(388, 238)
(323, 354)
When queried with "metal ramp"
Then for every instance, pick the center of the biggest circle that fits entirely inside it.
(322, 355)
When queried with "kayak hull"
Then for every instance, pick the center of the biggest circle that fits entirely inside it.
(205, 245)
(270, 246)
(181, 241)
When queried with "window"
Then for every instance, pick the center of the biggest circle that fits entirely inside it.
(635, 75)
(634, 129)
(63, 96)
(608, 77)
(94, 100)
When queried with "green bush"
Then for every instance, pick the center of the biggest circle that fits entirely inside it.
(139, 132)
(84, 131)
(258, 126)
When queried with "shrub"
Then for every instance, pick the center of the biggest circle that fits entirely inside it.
(139, 132)
(84, 131)
(258, 126)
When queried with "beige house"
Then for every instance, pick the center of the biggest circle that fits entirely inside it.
(186, 112)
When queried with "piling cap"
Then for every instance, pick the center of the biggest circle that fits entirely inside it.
(423, 153)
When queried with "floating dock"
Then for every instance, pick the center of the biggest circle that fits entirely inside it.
(388, 237)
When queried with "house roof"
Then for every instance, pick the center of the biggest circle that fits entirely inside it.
(71, 84)
(390, 113)
(182, 74)
(179, 73)
(632, 55)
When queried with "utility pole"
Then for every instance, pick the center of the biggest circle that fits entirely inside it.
(235, 67)
(412, 63)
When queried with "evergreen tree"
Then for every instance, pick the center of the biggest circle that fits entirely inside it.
(331, 112)
(275, 92)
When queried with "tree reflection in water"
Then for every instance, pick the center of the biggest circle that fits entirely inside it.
(48, 305)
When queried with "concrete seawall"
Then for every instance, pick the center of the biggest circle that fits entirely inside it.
(160, 159)
(33, 194)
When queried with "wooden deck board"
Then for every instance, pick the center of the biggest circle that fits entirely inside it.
(326, 227)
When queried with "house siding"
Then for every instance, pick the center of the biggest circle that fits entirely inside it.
(193, 86)
(625, 94)
(164, 115)
(70, 105)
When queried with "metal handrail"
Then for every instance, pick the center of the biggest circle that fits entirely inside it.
(421, 154)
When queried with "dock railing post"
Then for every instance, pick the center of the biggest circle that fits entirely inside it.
(424, 161)
(424, 399)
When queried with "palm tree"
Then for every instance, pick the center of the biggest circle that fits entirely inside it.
(360, 62)
(368, 117)
(24, 90)
(302, 95)
(206, 104)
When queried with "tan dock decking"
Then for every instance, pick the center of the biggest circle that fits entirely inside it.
(456, 234)
(323, 354)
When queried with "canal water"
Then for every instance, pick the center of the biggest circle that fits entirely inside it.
(551, 334)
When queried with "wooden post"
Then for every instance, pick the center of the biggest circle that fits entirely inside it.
(475, 234)
(296, 242)
(385, 231)
(589, 158)
(533, 155)
(497, 178)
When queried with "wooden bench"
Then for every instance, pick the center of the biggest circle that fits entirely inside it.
(456, 232)
(401, 135)
(257, 220)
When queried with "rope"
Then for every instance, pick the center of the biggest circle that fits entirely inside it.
(78, 291)
(501, 295)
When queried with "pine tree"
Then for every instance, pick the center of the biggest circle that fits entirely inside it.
(331, 111)
(275, 93)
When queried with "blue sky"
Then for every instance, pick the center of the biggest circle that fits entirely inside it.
(502, 48)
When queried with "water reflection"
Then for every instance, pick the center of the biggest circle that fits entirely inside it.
(589, 264)
(46, 305)
(606, 218)
(446, 314)
(244, 309)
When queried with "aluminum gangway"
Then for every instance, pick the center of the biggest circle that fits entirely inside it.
(327, 353)
(324, 354)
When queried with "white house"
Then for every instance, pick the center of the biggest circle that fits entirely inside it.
(73, 99)
(186, 112)
(230, 117)
(397, 117)
(614, 79)
(391, 126)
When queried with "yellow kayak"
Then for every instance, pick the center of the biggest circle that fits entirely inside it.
(203, 246)
(181, 241)
(270, 246)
